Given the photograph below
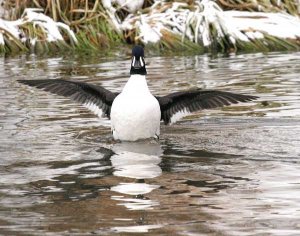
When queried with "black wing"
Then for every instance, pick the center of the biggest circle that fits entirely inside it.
(184, 103)
(95, 98)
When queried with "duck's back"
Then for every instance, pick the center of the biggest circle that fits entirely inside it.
(135, 113)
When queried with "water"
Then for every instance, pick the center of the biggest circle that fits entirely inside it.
(230, 171)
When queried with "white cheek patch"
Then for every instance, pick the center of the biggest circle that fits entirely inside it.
(141, 60)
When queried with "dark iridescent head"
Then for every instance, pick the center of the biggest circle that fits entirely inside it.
(138, 62)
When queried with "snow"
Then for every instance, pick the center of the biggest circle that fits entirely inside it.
(179, 18)
(196, 25)
(32, 15)
(132, 6)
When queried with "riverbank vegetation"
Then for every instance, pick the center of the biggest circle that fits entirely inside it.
(197, 26)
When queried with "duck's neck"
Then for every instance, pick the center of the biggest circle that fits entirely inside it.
(136, 84)
(140, 69)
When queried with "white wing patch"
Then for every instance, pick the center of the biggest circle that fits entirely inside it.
(178, 115)
(94, 108)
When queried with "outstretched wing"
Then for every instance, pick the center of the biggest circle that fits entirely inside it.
(95, 98)
(177, 105)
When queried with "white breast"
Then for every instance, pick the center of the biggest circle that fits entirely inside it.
(135, 113)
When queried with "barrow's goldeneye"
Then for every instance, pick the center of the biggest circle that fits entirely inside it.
(135, 113)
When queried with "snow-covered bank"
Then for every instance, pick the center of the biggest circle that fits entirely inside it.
(207, 23)
(198, 24)
(46, 30)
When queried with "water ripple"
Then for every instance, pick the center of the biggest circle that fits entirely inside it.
(231, 171)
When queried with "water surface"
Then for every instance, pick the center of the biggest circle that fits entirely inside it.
(230, 171)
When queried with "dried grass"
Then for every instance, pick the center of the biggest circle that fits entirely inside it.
(94, 29)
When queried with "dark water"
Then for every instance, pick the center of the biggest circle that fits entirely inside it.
(231, 171)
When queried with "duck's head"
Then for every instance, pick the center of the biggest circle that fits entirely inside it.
(138, 62)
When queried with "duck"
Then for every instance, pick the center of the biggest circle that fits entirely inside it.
(135, 113)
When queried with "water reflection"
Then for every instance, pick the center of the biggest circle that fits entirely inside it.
(136, 229)
(138, 161)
